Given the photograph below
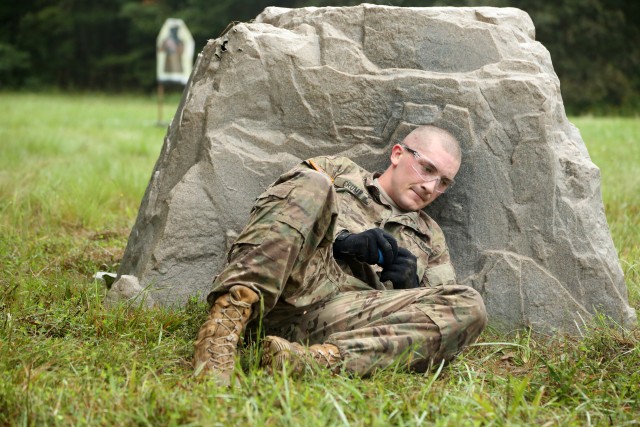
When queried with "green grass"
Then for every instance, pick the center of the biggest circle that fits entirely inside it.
(73, 170)
(75, 161)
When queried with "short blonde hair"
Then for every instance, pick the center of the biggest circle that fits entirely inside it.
(428, 134)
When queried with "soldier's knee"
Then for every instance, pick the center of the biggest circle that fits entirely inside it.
(320, 182)
(477, 311)
(311, 187)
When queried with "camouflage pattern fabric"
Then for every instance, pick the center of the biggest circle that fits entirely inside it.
(416, 328)
(285, 254)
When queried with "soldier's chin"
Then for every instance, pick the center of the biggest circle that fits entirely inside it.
(420, 201)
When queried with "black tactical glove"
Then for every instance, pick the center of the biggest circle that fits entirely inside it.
(403, 272)
(373, 246)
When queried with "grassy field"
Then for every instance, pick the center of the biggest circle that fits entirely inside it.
(72, 173)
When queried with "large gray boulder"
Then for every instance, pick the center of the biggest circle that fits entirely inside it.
(525, 224)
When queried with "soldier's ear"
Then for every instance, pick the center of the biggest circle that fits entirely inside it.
(396, 152)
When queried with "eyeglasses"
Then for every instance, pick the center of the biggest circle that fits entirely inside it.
(428, 172)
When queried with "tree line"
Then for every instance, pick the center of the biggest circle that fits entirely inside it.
(109, 45)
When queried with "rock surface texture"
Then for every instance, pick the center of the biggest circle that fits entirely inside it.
(525, 223)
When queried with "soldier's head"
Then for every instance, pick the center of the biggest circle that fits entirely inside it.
(422, 167)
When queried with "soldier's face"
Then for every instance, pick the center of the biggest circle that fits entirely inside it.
(407, 184)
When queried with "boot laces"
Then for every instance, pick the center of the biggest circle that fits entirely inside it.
(325, 357)
(222, 346)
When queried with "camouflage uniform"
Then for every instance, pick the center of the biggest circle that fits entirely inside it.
(285, 254)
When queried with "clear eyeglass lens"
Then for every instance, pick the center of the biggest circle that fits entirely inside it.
(426, 177)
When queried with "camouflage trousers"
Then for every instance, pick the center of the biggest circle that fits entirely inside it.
(285, 254)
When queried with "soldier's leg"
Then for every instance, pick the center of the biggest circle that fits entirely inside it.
(288, 224)
(374, 329)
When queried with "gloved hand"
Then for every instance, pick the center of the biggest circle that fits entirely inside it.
(403, 272)
(373, 246)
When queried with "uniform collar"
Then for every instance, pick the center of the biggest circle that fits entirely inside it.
(373, 189)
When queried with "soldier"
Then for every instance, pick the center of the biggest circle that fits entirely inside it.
(344, 268)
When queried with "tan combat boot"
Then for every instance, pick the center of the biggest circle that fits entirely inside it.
(217, 341)
(277, 352)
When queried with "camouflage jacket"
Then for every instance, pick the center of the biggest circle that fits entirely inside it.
(361, 207)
